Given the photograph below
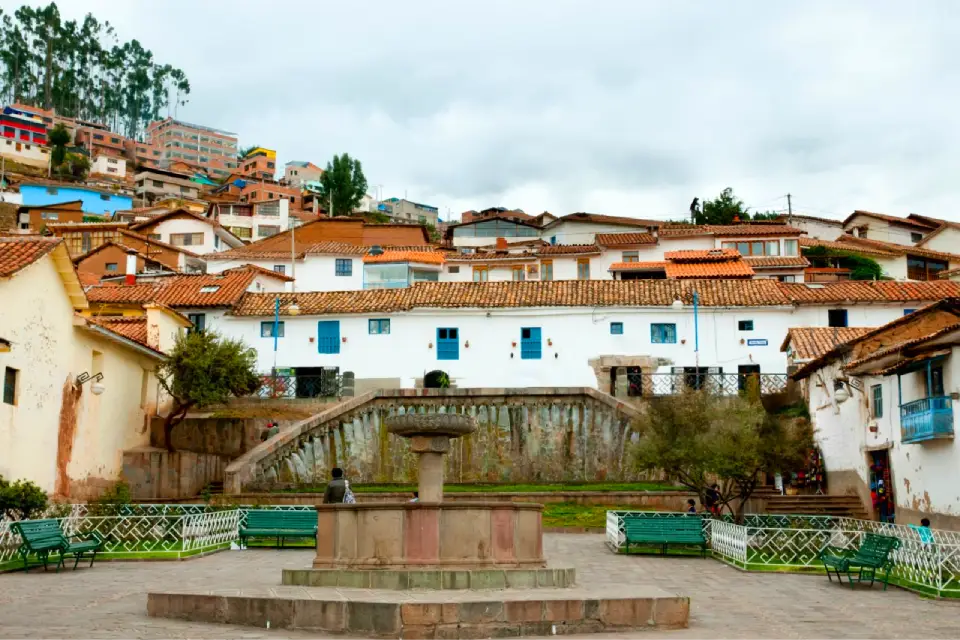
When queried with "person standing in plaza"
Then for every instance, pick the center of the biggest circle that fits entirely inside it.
(337, 487)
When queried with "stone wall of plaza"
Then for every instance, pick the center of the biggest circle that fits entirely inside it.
(573, 339)
(523, 435)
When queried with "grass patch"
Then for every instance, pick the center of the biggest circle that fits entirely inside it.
(548, 487)
(571, 514)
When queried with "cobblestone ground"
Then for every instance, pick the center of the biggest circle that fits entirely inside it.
(109, 601)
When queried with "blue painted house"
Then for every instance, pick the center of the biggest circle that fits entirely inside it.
(98, 201)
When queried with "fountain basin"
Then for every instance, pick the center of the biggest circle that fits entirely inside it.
(466, 535)
(452, 425)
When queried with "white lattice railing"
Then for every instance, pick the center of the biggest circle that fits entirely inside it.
(928, 562)
(146, 530)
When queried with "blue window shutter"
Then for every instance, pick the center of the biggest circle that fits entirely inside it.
(448, 343)
(328, 336)
(530, 345)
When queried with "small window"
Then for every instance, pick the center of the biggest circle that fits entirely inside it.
(745, 325)
(453, 269)
(11, 377)
(662, 333)
(546, 270)
(616, 328)
(583, 268)
(153, 236)
(518, 273)
(916, 237)
(212, 288)
(280, 268)
(631, 256)
(266, 329)
(111, 266)
(344, 267)
(199, 321)
(53, 191)
(876, 393)
(907, 312)
(481, 274)
(790, 247)
(379, 326)
(104, 196)
(773, 247)
(837, 318)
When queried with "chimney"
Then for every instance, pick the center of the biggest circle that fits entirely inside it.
(131, 270)
(501, 244)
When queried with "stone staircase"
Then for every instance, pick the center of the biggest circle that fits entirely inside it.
(811, 505)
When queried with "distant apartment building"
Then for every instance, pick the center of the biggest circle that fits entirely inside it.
(401, 210)
(212, 149)
(259, 163)
(24, 137)
(153, 185)
(248, 190)
(49, 192)
(109, 164)
(298, 172)
(253, 221)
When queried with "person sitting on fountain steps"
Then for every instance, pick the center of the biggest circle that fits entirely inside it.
(337, 487)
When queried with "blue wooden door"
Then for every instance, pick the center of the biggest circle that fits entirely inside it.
(530, 345)
(448, 343)
(328, 336)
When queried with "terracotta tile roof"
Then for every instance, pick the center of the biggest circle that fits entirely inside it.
(624, 239)
(852, 291)
(568, 249)
(683, 230)
(903, 344)
(637, 266)
(605, 219)
(725, 269)
(491, 256)
(858, 244)
(916, 224)
(702, 255)
(85, 226)
(559, 293)
(88, 279)
(753, 229)
(949, 272)
(266, 272)
(17, 253)
(773, 262)
(132, 327)
(222, 289)
(807, 343)
(337, 248)
(424, 257)
(235, 254)
(843, 246)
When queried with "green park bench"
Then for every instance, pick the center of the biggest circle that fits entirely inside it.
(43, 537)
(662, 532)
(279, 524)
(873, 555)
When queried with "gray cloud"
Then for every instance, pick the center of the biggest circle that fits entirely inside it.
(619, 106)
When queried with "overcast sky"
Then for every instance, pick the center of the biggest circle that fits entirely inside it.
(622, 107)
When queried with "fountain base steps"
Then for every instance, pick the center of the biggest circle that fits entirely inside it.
(438, 579)
(431, 614)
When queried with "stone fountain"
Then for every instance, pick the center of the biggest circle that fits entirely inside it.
(486, 556)
(429, 533)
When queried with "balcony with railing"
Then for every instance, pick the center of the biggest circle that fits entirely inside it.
(926, 419)
(725, 384)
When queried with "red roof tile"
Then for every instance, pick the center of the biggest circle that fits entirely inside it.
(423, 257)
(807, 343)
(754, 229)
(638, 266)
(703, 255)
(870, 291)
(725, 269)
(132, 327)
(916, 224)
(841, 246)
(568, 249)
(774, 262)
(17, 253)
(625, 239)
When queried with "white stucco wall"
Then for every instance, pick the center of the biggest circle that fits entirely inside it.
(947, 241)
(48, 350)
(188, 225)
(883, 230)
(820, 230)
(578, 334)
(584, 232)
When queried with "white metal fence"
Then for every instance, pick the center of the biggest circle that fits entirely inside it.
(145, 530)
(926, 561)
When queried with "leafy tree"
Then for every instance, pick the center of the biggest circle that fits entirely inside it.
(433, 233)
(77, 165)
(697, 437)
(21, 500)
(728, 208)
(58, 138)
(203, 369)
(244, 152)
(344, 179)
(861, 267)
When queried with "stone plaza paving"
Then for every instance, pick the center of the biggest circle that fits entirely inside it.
(109, 601)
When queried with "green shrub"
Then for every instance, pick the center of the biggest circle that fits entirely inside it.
(21, 500)
(112, 501)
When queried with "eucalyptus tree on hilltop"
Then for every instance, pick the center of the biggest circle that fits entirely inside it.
(81, 70)
(343, 179)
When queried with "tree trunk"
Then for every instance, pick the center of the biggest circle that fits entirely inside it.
(173, 418)
(48, 75)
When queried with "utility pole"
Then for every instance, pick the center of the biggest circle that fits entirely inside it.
(789, 210)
